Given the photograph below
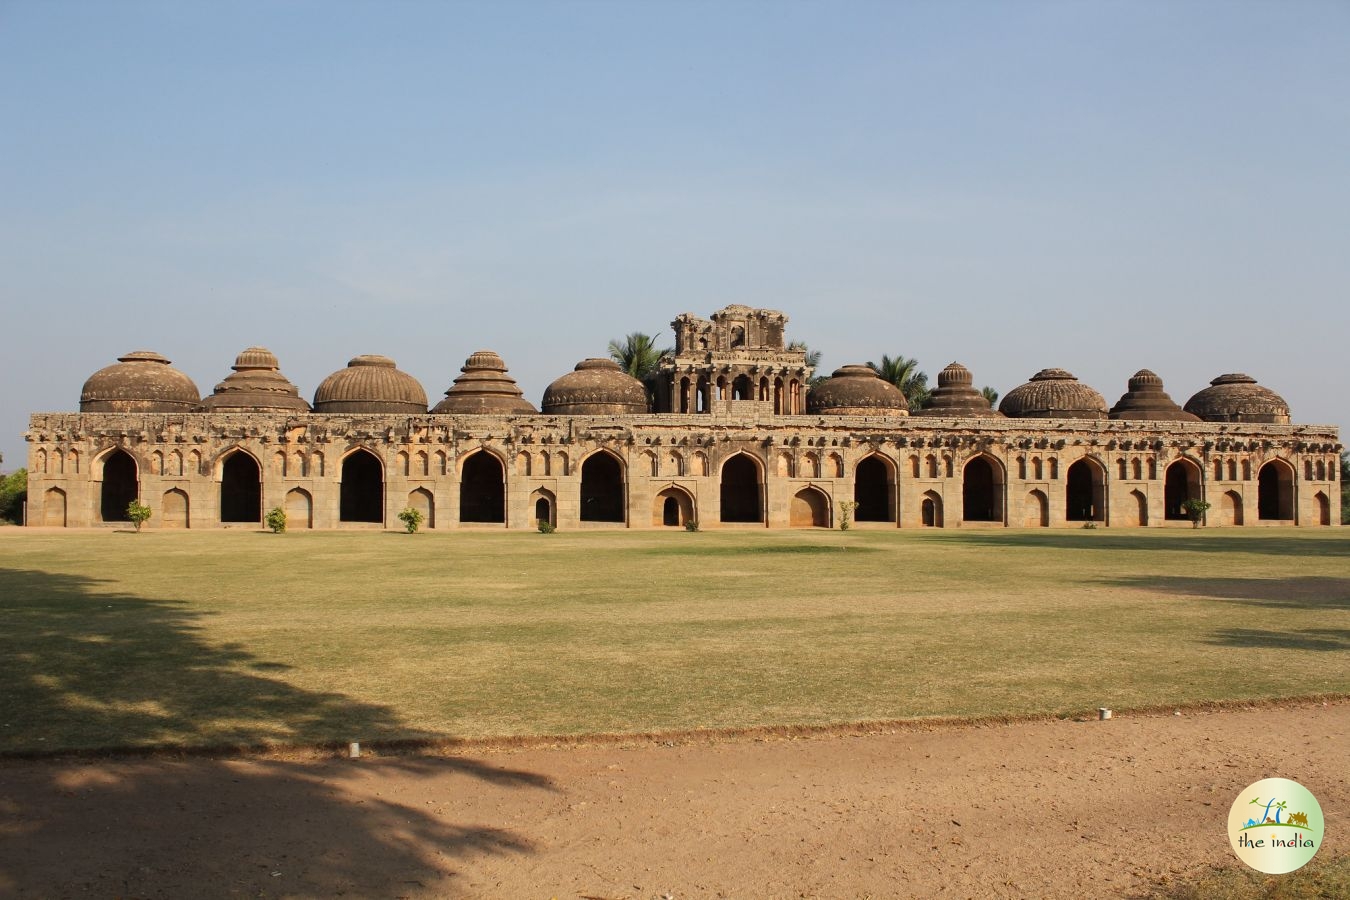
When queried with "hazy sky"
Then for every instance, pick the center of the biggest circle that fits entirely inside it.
(1096, 186)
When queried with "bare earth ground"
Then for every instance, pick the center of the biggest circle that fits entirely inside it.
(1039, 809)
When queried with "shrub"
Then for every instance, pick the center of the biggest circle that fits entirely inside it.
(547, 527)
(276, 519)
(846, 508)
(1195, 510)
(13, 492)
(411, 519)
(138, 513)
(691, 524)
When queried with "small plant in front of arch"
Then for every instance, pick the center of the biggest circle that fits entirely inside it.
(1195, 510)
(846, 508)
(411, 519)
(138, 514)
(547, 527)
(691, 524)
(276, 519)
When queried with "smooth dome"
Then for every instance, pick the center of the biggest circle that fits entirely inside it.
(255, 384)
(955, 395)
(596, 387)
(484, 388)
(856, 391)
(370, 384)
(141, 381)
(1146, 400)
(1053, 394)
(1238, 398)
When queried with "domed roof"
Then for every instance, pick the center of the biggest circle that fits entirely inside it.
(955, 395)
(255, 384)
(1053, 394)
(1146, 399)
(596, 387)
(856, 391)
(141, 381)
(484, 389)
(370, 384)
(1238, 398)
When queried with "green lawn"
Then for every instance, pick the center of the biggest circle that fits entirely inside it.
(115, 639)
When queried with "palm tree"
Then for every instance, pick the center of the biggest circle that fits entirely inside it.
(990, 394)
(904, 373)
(812, 361)
(636, 354)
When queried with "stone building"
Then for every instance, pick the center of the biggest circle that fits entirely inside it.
(734, 438)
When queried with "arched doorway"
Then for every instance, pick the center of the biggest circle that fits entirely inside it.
(1181, 483)
(361, 497)
(299, 509)
(981, 491)
(1323, 508)
(174, 509)
(872, 491)
(121, 486)
(240, 489)
(1037, 510)
(1275, 491)
(741, 490)
(543, 506)
(1230, 508)
(54, 508)
(931, 510)
(422, 501)
(811, 509)
(602, 491)
(673, 507)
(1085, 492)
(482, 489)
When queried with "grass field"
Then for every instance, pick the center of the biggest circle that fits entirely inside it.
(219, 638)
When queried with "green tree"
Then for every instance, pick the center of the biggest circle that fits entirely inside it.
(904, 373)
(812, 360)
(990, 394)
(637, 354)
(13, 492)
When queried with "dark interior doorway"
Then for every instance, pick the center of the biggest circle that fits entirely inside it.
(362, 495)
(871, 491)
(482, 489)
(979, 500)
(240, 489)
(740, 490)
(120, 486)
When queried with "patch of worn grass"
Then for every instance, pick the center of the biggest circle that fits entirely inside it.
(207, 638)
(1317, 880)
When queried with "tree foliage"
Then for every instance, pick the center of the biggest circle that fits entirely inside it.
(990, 394)
(13, 492)
(905, 374)
(812, 360)
(637, 354)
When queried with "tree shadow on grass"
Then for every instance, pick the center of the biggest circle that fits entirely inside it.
(1320, 639)
(1309, 592)
(1151, 540)
(91, 669)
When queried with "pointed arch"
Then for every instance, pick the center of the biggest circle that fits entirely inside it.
(54, 508)
(1323, 505)
(422, 501)
(175, 509)
(121, 484)
(603, 488)
(522, 463)
(874, 489)
(1275, 491)
(673, 507)
(810, 508)
(930, 510)
(361, 492)
(1036, 510)
(544, 505)
(982, 489)
(482, 487)
(1181, 482)
(240, 486)
(1085, 491)
(299, 509)
(742, 489)
(1230, 509)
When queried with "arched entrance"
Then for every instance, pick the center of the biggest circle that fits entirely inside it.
(981, 491)
(240, 489)
(1085, 492)
(361, 497)
(422, 501)
(1037, 510)
(673, 507)
(931, 510)
(299, 509)
(1323, 508)
(1181, 483)
(741, 490)
(543, 506)
(811, 509)
(482, 489)
(54, 508)
(602, 491)
(174, 509)
(1230, 508)
(1275, 491)
(872, 483)
(121, 486)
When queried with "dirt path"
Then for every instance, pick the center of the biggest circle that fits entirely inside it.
(1046, 809)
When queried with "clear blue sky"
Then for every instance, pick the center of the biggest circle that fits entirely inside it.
(1096, 186)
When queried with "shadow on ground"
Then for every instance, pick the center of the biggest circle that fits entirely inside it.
(89, 668)
(1150, 541)
(1308, 592)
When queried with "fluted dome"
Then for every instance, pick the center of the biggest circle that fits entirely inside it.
(955, 395)
(370, 384)
(1146, 399)
(1238, 398)
(1053, 394)
(856, 391)
(484, 388)
(255, 384)
(596, 387)
(141, 381)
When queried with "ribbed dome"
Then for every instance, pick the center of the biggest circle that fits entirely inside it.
(370, 384)
(141, 381)
(596, 387)
(1146, 399)
(255, 384)
(856, 391)
(484, 389)
(955, 395)
(1238, 398)
(1053, 394)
